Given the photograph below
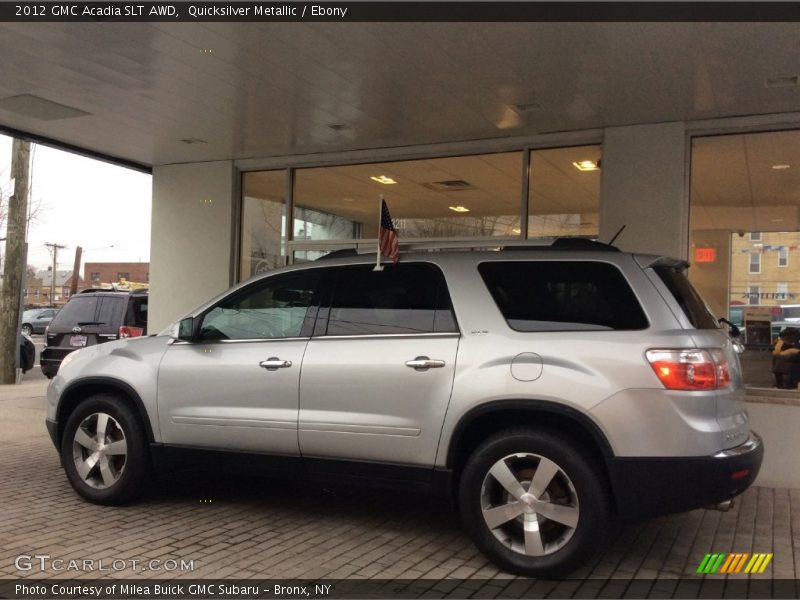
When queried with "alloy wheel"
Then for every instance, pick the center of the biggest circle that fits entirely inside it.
(100, 450)
(529, 504)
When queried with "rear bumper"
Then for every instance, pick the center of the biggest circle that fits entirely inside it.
(51, 357)
(647, 487)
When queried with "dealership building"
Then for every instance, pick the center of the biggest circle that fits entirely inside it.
(271, 143)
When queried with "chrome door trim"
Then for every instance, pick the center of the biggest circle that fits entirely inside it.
(379, 336)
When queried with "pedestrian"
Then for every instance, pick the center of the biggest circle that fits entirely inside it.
(786, 359)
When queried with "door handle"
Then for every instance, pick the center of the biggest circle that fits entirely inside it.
(273, 363)
(423, 363)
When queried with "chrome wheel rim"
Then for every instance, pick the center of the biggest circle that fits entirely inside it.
(100, 450)
(529, 504)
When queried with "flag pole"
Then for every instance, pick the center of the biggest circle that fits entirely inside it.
(378, 266)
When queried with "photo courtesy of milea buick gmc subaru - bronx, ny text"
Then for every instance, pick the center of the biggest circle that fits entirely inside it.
(549, 391)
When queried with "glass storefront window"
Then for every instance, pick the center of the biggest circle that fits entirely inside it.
(564, 196)
(745, 231)
(463, 196)
(263, 225)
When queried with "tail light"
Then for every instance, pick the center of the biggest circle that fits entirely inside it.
(128, 332)
(690, 369)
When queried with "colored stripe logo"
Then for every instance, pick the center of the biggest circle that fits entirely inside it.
(742, 562)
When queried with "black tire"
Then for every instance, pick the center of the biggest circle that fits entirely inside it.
(27, 329)
(578, 484)
(121, 478)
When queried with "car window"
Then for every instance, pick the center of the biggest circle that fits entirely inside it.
(109, 313)
(404, 298)
(79, 309)
(562, 296)
(275, 309)
(136, 314)
(692, 304)
(46, 314)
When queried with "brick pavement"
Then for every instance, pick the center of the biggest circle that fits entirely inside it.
(243, 528)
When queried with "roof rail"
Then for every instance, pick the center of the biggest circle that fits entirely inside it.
(361, 247)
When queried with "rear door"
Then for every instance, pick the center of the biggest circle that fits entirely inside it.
(378, 372)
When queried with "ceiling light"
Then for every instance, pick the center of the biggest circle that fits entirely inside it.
(516, 230)
(459, 209)
(383, 179)
(587, 165)
(780, 167)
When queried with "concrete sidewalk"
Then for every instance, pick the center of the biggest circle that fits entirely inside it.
(253, 528)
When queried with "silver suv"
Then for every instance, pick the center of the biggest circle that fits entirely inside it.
(547, 391)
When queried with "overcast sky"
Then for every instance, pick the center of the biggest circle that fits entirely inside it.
(83, 202)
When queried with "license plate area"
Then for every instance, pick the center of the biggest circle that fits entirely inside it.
(77, 341)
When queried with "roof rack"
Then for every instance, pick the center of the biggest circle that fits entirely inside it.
(361, 247)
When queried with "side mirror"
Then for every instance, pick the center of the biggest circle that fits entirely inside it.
(186, 330)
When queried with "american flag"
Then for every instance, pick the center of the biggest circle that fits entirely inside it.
(388, 236)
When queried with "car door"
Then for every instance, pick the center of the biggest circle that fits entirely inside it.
(235, 386)
(378, 372)
(43, 319)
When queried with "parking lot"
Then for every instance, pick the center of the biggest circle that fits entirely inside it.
(199, 527)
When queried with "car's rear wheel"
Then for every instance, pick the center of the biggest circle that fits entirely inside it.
(534, 503)
(104, 450)
(27, 329)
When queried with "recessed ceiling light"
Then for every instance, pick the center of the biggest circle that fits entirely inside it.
(587, 165)
(459, 209)
(383, 179)
(780, 167)
(516, 230)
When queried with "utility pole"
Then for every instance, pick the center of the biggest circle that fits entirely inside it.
(56, 248)
(14, 268)
(73, 288)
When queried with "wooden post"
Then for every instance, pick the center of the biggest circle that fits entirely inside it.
(14, 268)
(73, 288)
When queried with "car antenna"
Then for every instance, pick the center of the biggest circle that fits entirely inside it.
(616, 235)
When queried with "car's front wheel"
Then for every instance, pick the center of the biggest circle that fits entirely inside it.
(104, 450)
(534, 502)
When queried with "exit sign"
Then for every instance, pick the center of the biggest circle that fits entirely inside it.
(705, 255)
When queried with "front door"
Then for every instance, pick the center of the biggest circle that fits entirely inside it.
(236, 386)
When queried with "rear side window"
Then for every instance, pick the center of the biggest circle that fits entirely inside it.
(563, 296)
(410, 298)
(137, 312)
(687, 297)
(79, 309)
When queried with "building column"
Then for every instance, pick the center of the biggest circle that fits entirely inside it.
(191, 238)
(644, 188)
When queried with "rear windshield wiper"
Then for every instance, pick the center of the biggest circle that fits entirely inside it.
(90, 323)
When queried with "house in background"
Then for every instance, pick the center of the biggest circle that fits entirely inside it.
(38, 288)
(98, 274)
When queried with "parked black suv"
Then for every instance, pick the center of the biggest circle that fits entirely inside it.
(93, 317)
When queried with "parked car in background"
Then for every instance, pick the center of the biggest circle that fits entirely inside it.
(90, 318)
(547, 391)
(36, 320)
